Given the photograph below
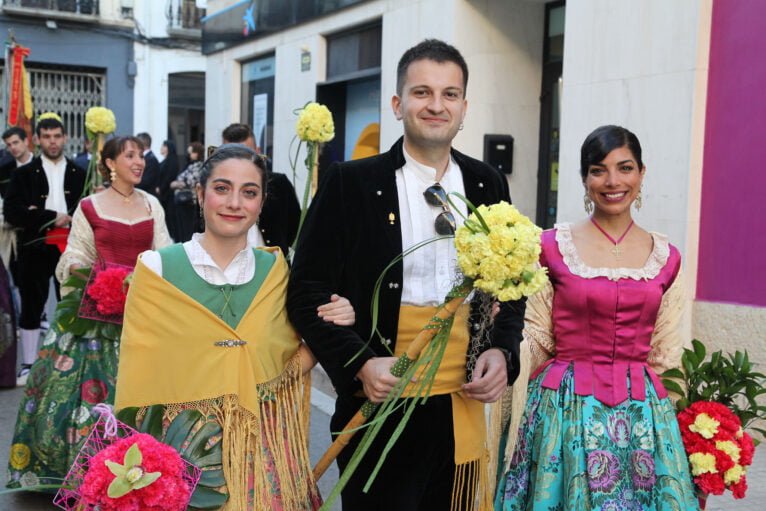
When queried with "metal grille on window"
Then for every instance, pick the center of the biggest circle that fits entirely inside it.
(69, 94)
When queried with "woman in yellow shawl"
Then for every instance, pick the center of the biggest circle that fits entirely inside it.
(206, 328)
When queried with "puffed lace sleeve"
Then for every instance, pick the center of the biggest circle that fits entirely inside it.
(538, 328)
(666, 343)
(80, 248)
(161, 235)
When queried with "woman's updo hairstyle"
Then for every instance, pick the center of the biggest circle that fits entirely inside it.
(602, 141)
(233, 151)
(112, 149)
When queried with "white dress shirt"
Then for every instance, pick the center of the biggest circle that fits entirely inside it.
(240, 270)
(429, 272)
(54, 172)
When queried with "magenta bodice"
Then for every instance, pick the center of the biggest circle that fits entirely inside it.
(604, 327)
(118, 242)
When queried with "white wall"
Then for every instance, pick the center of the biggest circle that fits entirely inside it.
(633, 64)
(154, 64)
(502, 43)
(503, 89)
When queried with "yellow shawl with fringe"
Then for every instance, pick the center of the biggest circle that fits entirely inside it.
(254, 391)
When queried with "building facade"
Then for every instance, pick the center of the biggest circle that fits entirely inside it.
(139, 58)
(682, 75)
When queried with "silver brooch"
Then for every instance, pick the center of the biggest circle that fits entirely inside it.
(230, 343)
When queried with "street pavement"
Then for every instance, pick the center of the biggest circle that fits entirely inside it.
(322, 403)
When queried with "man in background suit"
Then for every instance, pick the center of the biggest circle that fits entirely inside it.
(150, 180)
(42, 195)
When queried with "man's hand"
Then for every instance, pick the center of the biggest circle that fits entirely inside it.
(377, 379)
(490, 377)
(62, 220)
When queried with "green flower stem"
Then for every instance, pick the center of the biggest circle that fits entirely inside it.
(311, 165)
(435, 325)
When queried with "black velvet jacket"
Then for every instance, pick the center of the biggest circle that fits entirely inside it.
(280, 214)
(351, 233)
(29, 187)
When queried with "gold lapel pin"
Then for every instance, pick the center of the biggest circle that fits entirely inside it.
(391, 218)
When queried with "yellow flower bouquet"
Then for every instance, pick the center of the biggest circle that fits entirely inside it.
(497, 251)
(315, 126)
(99, 121)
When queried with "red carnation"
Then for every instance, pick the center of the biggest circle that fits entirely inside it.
(168, 493)
(109, 290)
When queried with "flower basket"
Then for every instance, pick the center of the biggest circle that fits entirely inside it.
(85, 484)
(104, 295)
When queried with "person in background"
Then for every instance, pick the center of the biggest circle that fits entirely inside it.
(41, 196)
(281, 213)
(168, 173)
(82, 159)
(150, 181)
(15, 140)
(187, 210)
(224, 316)
(73, 373)
(599, 431)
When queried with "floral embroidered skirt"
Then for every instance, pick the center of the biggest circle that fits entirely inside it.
(576, 453)
(70, 376)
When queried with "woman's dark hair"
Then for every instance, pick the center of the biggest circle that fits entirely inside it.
(602, 141)
(112, 149)
(233, 151)
(169, 165)
(198, 149)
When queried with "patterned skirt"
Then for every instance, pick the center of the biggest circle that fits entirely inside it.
(576, 453)
(70, 376)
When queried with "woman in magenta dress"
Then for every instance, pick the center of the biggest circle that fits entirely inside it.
(75, 372)
(599, 431)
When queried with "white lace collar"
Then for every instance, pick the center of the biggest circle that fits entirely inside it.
(654, 263)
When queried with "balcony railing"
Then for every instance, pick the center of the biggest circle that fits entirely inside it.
(83, 7)
(184, 14)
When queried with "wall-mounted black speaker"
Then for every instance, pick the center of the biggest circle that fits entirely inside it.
(498, 152)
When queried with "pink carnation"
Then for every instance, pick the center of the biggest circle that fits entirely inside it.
(168, 493)
(109, 291)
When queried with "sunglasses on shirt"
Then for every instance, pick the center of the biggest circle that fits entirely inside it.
(444, 224)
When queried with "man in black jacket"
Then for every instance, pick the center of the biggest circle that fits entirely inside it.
(364, 213)
(278, 222)
(42, 195)
(150, 180)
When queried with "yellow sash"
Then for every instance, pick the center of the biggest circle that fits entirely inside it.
(168, 353)
(470, 487)
(254, 391)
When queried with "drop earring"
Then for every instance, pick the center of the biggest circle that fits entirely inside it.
(112, 175)
(639, 200)
(587, 203)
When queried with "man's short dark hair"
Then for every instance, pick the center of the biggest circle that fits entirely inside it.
(14, 130)
(236, 133)
(430, 49)
(145, 139)
(49, 123)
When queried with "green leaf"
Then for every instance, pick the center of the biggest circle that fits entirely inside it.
(146, 479)
(118, 487)
(152, 423)
(180, 428)
(133, 456)
(128, 416)
(673, 373)
(673, 386)
(205, 498)
(212, 478)
(699, 349)
(115, 468)
(196, 446)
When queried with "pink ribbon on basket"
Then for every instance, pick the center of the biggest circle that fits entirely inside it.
(110, 421)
